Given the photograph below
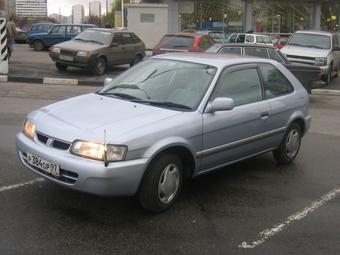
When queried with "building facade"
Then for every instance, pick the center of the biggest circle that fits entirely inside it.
(78, 14)
(109, 5)
(30, 8)
(95, 9)
(267, 16)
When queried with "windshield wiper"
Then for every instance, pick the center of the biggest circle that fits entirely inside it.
(79, 39)
(166, 104)
(314, 46)
(130, 86)
(94, 41)
(296, 44)
(120, 95)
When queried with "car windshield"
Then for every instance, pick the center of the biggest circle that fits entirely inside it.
(99, 37)
(165, 83)
(311, 40)
(177, 41)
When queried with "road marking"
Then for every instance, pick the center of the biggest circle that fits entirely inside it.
(267, 233)
(10, 187)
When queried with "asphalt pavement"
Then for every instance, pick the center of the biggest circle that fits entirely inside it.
(254, 207)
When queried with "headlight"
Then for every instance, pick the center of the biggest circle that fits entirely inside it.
(55, 50)
(83, 54)
(320, 61)
(99, 151)
(29, 129)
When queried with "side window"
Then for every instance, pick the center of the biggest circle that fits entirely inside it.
(58, 30)
(240, 38)
(135, 38)
(231, 50)
(255, 51)
(232, 38)
(275, 56)
(126, 38)
(259, 39)
(243, 86)
(73, 29)
(250, 38)
(275, 83)
(117, 38)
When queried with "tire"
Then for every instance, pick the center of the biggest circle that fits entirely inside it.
(38, 45)
(61, 67)
(137, 59)
(99, 67)
(337, 71)
(161, 183)
(285, 154)
(328, 78)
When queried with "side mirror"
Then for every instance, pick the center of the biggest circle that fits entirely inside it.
(220, 104)
(107, 81)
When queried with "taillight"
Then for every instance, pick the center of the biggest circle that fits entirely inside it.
(196, 42)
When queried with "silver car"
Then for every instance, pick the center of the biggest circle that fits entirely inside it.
(172, 117)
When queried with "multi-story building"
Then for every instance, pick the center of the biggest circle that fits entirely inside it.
(77, 14)
(95, 9)
(31, 8)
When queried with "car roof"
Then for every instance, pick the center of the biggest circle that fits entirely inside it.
(213, 59)
(110, 30)
(70, 24)
(188, 34)
(313, 32)
(244, 45)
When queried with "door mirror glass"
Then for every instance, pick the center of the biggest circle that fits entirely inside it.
(107, 81)
(220, 104)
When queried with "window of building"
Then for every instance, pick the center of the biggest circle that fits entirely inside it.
(147, 18)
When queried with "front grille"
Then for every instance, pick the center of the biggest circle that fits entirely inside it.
(301, 57)
(66, 176)
(53, 142)
(68, 52)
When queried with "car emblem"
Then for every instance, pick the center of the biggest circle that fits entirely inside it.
(49, 142)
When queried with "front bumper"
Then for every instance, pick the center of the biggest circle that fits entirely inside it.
(82, 62)
(90, 176)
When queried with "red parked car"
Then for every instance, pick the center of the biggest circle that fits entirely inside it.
(183, 42)
(280, 42)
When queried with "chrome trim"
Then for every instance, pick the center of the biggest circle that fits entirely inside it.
(238, 143)
(232, 162)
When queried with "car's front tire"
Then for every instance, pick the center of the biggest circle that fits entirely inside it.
(61, 67)
(38, 45)
(161, 183)
(136, 60)
(99, 67)
(289, 146)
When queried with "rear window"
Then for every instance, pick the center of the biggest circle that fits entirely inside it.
(135, 38)
(177, 42)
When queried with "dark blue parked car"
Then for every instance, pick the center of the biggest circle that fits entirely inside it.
(58, 33)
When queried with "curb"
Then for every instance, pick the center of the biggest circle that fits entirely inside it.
(50, 81)
(325, 92)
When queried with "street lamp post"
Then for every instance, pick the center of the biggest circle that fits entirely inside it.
(122, 4)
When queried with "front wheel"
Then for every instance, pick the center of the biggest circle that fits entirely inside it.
(290, 145)
(137, 59)
(99, 67)
(161, 183)
(38, 46)
(61, 67)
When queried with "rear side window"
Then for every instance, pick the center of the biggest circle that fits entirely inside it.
(117, 38)
(256, 52)
(58, 30)
(135, 38)
(231, 50)
(177, 42)
(250, 38)
(243, 86)
(127, 38)
(275, 56)
(275, 83)
(73, 29)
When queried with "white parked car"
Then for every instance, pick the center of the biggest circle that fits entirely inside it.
(250, 38)
(317, 48)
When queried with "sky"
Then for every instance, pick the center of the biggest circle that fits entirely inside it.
(66, 6)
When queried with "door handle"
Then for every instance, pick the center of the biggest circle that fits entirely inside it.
(264, 115)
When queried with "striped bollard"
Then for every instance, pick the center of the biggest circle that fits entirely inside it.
(3, 47)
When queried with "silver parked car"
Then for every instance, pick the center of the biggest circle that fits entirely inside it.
(171, 117)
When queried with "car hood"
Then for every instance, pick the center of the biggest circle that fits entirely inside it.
(79, 45)
(87, 117)
(304, 51)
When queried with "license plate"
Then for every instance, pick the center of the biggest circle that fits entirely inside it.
(66, 58)
(43, 164)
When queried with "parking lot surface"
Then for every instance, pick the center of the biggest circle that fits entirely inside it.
(254, 207)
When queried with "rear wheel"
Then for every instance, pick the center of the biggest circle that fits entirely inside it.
(161, 183)
(99, 67)
(38, 46)
(60, 67)
(290, 145)
(137, 59)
